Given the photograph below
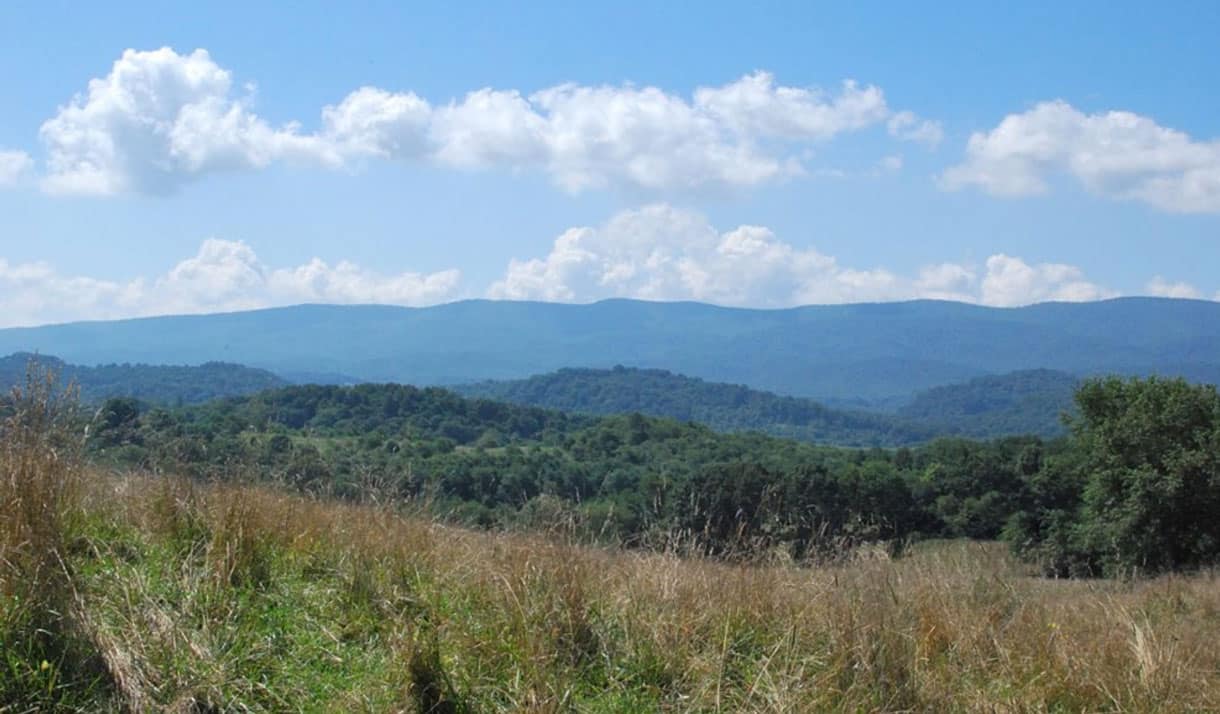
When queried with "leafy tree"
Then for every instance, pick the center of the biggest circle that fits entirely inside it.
(1152, 502)
(1138, 491)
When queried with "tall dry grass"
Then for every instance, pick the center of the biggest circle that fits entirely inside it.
(40, 477)
(475, 621)
(47, 658)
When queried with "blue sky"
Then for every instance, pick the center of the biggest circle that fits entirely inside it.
(566, 151)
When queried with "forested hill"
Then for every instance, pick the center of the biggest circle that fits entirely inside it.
(1023, 402)
(1065, 503)
(867, 351)
(397, 410)
(723, 407)
(159, 384)
(495, 463)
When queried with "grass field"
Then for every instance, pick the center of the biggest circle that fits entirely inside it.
(143, 593)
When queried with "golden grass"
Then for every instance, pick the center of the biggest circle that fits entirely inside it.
(40, 475)
(521, 623)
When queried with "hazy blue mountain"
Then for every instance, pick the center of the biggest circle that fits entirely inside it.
(162, 384)
(724, 407)
(1024, 402)
(865, 351)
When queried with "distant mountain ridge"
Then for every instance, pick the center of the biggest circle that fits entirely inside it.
(161, 384)
(878, 351)
(723, 407)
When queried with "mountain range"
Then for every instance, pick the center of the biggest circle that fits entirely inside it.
(863, 352)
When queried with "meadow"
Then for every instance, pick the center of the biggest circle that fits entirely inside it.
(142, 592)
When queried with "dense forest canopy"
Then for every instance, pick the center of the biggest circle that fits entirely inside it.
(1133, 488)
(1019, 403)
(158, 384)
(724, 407)
(1023, 402)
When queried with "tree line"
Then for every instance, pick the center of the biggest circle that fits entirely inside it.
(1133, 488)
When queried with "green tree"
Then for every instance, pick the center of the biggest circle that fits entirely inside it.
(1147, 455)
(1153, 454)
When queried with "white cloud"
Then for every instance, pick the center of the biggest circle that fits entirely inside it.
(374, 123)
(755, 106)
(156, 120)
(1011, 281)
(347, 282)
(1116, 154)
(947, 281)
(34, 293)
(906, 126)
(160, 118)
(13, 166)
(657, 252)
(1160, 287)
(644, 139)
(222, 276)
(663, 253)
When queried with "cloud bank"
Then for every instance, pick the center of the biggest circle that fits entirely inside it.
(160, 118)
(222, 276)
(663, 253)
(656, 252)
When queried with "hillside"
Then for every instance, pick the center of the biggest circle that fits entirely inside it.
(158, 384)
(724, 407)
(1024, 402)
(869, 351)
(630, 476)
(136, 592)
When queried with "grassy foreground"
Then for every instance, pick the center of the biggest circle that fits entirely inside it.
(141, 593)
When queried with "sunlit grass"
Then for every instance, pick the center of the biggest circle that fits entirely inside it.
(242, 597)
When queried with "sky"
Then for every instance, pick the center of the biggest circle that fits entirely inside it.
(227, 156)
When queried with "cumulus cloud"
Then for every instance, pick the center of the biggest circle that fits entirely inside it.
(664, 253)
(160, 118)
(157, 119)
(1160, 287)
(13, 166)
(35, 293)
(755, 106)
(1011, 281)
(947, 281)
(1115, 154)
(222, 276)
